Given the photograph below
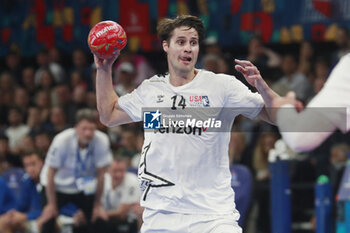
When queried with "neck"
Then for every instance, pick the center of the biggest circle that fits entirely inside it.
(82, 145)
(114, 185)
(181, 78)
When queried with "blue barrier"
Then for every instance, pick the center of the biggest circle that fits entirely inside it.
(280, 196)
(323, 199)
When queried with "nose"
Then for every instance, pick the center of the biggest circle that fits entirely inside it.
(188, 48)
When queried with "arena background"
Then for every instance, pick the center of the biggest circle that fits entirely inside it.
(28, 27)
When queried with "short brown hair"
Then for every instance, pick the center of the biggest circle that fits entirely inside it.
(86, 114)
(166, 26)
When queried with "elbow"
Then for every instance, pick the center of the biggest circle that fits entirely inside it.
(300, 142)
(105, 121)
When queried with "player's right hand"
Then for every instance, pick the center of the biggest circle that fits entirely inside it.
(105, 64)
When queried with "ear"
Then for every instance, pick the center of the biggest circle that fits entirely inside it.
(165, 46)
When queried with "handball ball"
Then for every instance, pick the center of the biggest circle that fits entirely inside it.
(106, 38)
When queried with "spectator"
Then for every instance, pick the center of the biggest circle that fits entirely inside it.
(26, 145)
(44, 63)
(7, 87)
(55, 55)
(338, 158)
(142, 69)
(4, 165)
(17, 130)
(211, 63)
(212, 48)
(126, 79)
(76, 79)
(135, 161)
(43, 103)
(42, 141)
(91, 100)
(47, 81)
(236, 147)
(121, 192)
(13, 66)
(28, 208)
(79, 178)
(34, 120)
(80, 64)
(28, 80)
(8, 159)
(261, 56)
(7, 199)
(57, 121)
(266, 142)
(21, 99)
(321, 71)
(128, 144)
(306, 53)
(292, 80)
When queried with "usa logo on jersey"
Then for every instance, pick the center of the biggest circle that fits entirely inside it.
(199, 101)
(205, 100)
(152, 119)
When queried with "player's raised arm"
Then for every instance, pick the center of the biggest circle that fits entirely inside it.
(253, 77)
(107, 100)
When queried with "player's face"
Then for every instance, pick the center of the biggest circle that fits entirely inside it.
(182, 50)
(32, 165)
(85, 131)
(117, 171)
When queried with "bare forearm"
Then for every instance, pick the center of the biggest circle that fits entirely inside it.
(106, 96)
(50, 187)
(99, 188)
(268, 95)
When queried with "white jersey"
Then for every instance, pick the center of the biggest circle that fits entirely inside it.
(127, 192)
(335, 93)
(328, 110)
(189, 172)
(63, 154)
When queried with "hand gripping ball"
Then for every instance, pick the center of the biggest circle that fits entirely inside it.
(106, 38)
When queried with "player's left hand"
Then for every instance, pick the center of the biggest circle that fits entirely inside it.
(249, 71)
(99, 212)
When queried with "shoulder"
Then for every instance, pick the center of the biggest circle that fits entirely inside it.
(158, 78)
(26, 180)
(65, 136)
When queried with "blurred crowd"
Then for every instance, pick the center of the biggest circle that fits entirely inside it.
(41, 96)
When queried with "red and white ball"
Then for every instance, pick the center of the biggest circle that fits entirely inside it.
(106, 38)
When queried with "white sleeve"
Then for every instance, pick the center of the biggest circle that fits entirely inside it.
(326, 112)
(133, 102)
(304, 131)
(102, 153)
(54, 157)
(239, 96)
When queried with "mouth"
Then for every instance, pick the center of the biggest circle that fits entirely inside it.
(186, 60)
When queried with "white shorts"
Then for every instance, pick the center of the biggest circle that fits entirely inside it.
(170, 222)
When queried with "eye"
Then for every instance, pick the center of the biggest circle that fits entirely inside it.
(180, 42)
(194, 42)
